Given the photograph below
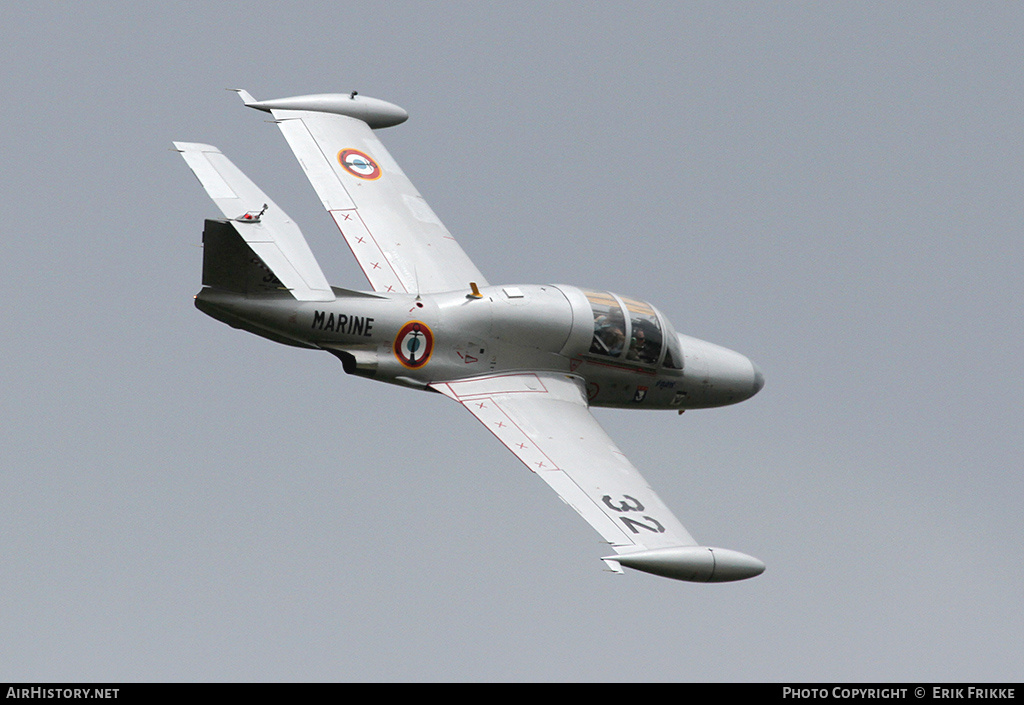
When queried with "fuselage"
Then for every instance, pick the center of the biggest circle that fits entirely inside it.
(626, 352)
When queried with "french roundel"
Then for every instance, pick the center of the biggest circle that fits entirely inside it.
(359, 164)
(413, 344)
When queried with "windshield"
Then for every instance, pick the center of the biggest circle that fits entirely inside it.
(645, 332)
(633, 330)
(674, 353)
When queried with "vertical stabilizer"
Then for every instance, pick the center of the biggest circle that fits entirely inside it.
(262, 225)
(230, 264)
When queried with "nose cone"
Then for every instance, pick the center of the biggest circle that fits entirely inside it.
(725, 376)
(732, 377)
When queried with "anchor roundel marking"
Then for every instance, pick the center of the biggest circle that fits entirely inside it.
(413, 344)
(359, 164)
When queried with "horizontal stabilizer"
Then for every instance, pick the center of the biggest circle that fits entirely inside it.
(698, 564)
(259, 221)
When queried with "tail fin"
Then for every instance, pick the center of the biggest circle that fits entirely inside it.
(264, 228)
(230, 264)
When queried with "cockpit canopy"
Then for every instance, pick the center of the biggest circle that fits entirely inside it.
(632, 331)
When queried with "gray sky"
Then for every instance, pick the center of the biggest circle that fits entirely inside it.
(831, 189)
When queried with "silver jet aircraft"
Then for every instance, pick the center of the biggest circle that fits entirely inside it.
(528, 361)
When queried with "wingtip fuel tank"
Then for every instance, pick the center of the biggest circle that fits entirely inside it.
(697, 564)
(374, 112)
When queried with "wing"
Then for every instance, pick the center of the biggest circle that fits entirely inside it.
(262, 224)
(543, 418)
(397, 239)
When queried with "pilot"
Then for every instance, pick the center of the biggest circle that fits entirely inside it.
(616, 338)
(639, 349)
(608, 336)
